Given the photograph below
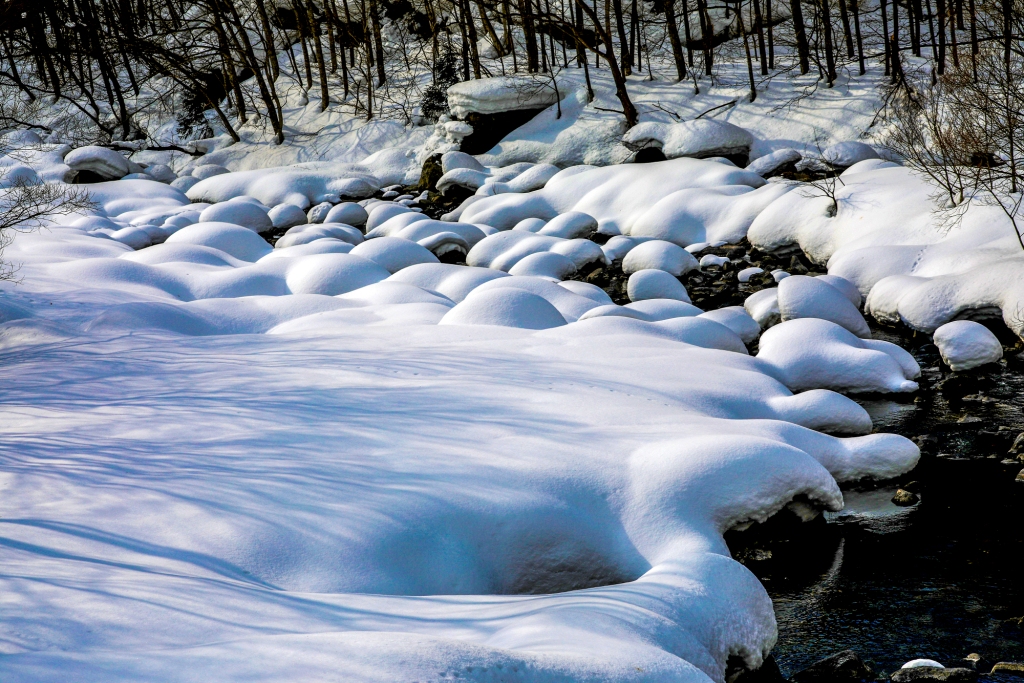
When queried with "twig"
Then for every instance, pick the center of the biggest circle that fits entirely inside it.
(731, 103)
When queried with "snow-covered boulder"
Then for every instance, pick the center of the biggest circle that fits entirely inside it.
(700, 139)
(394, 253)
(161, 173)
(504, 93)
(801, 296)
(811, 353)
(965, 344)
(380, 213)
(846, 154)
(333, 274)
(285, 216)
(454, 282)
(104, 162)
(310, 232)
(660, 255)
(204, 171)
(348, 213)
(318, 213)
(453, 160)
(569, 225)
(507, 307)
(19, 174)
(651, 283)
(534, 225)
(769, 164)
(184, 183)
(232, 239)
(248, 214)
(736, 319)
(763, 307)
(544, 264)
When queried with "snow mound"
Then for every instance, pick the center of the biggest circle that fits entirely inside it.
(659, 255)
(570, 225)
(204, 171)
(699, 139)
(736, 319)
(846, 154)
(663, 309)
(507, 307)
(811, 353)
(763, 307)
(801, 296)
(333, 274)
(246, 214)
(619, 197)
(348, 213)
(102, 161)
(393, 253)
(503, 93)
(544, 264)
(503, 250)
(454, 282)
(285, 216)
(653, 283)
(965, 344)
(300, 184)
(310, 232)
(235, 240)
(769, 164)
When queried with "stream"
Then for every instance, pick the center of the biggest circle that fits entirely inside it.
(939, 579)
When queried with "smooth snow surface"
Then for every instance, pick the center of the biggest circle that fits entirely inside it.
(965, 344)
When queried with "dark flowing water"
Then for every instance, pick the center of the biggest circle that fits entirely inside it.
(940, 579)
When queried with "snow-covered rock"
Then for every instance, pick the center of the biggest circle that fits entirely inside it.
(769, 164)
(318, 213)
(506, 307)
(302, 184)
(917, 663)
(569, 225)
(811, 353)
(763, 307)
(801, 296)
(544, 264)
(161, 173)
(247, 214)
(736, 319)
(394, 253)
(184, 183)
(348, 213)
(659, 255)
(102, 161)
(504, 93)
(965, 344)
(453, 160)
(333, 274)
(285, 216)
(310, 232)
(846, 154)
(747, 273)
(653, 283)
(699, 139)
(204, 171)
(238, 241)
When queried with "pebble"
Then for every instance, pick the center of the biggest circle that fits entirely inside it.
(929, 673)
(1020, 476)
(978, 663)
(390, 194)
(1012, 668)
(905, 498)
(842, 666)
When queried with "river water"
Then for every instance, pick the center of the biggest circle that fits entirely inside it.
(940, 579)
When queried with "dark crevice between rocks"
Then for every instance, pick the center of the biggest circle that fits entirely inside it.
(490, 129)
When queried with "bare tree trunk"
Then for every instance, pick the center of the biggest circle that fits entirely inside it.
(855, 6)
(746, 50)
(800, 32)
(706, 34)
(378, 43)
(628, 110)
(941, 57)
(826, 30)
(625, 59)
(759, 20)
(673, 36)
(885, 33)
(845, 18)
(471, 26)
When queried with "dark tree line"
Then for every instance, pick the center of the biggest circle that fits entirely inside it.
(110, 60)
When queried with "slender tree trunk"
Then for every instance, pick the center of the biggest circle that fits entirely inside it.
(378, 42)
(687, 34)
(855, 6)
(706, 34)
(759, 20)
(628, 110)
(885, 34)
(800, 32)
(673, 36)
(844, 17)
(471, 27)
(625, 59)
(941, 57)
(826, 30)
(746, 50)
(974, 39)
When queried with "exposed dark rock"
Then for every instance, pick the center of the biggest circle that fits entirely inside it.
(977, 663)
(767, 673)
(1012, 668)
(648, 155)
(931, 673)
(905, 498)
(1018, 444)
(489, 129)
(838, 668)
(431, 173)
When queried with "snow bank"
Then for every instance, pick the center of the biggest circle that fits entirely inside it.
(280, 464)
(887, 237)
(700, 139)
(300, 184)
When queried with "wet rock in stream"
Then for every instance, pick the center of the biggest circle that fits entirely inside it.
(841, 667)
